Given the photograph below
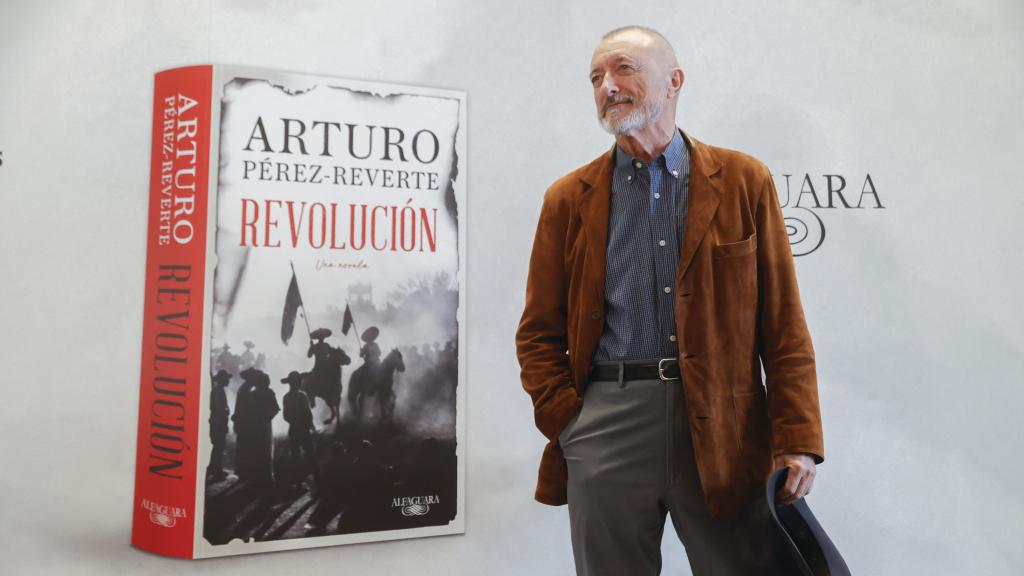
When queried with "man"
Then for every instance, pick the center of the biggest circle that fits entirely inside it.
(264, 408)
(299, 417)
(661, 282)
(219, 414)
(326, 378)
(370, 351)
(255, 408)
(246, 443)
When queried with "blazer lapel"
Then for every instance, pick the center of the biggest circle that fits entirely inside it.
(593, 206)
(703, 202)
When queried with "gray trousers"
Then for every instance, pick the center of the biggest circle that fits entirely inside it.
(631, 462)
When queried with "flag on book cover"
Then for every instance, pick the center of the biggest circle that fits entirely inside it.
(291, 308)
(348, 321)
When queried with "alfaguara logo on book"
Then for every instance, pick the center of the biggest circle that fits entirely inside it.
(415, 505)
(166, 516)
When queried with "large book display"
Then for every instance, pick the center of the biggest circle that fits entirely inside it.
(303, 368)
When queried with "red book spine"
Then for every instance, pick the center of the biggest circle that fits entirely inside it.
(172, 345)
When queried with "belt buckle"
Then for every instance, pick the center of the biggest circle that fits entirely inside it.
(661, 370)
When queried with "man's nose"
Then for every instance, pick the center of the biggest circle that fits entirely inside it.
(608, 85)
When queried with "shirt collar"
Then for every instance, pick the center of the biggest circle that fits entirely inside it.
(674, 156)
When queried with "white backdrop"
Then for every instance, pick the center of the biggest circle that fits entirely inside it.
(913, 307)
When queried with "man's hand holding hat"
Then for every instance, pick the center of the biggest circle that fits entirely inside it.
(800, 478)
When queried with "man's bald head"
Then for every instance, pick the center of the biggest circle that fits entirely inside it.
(659, 46)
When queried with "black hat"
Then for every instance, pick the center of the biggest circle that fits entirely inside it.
(222, 376)
(293, 376)
(807, 545)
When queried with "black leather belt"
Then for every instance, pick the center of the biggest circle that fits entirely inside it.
(664, 369)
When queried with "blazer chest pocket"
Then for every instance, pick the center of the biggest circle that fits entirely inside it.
(734, 249)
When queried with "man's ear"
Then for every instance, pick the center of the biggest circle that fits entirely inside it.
(675, 81)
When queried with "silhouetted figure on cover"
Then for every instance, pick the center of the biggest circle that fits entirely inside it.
(319, 350)
(378, 383)
(367, 379)
(248, 358)
(370, 352)
(255, 408)
(265, 407)
(228, 361)
(218, 425)
(386, 385)
(299, 417)
(243, 424)
(326, 374)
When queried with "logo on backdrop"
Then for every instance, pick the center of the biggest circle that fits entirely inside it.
(806, 198)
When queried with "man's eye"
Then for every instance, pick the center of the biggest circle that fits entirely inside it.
(625, 67)
(595, 79)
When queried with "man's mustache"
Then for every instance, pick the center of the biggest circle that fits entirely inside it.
(612, 101)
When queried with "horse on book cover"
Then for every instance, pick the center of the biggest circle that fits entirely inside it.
(324, 381)
(377, 381)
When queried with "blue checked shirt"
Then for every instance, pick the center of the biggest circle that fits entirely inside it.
(645, 229)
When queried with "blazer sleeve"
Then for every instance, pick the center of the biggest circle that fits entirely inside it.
(541, 339)
(787, 354)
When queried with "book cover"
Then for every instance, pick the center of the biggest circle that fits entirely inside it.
(303, 370)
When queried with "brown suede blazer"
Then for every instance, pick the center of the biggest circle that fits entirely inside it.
(738, 308)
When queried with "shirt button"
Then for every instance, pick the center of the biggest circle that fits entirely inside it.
(656, 195)
(672, 337)
(639, 165)
(675, 173)
(668, 289)
(629, 178)
(661, 242)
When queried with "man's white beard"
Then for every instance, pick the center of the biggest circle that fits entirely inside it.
(640, 116)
